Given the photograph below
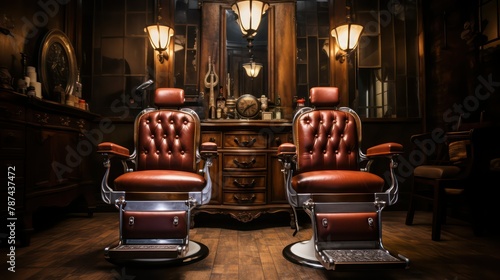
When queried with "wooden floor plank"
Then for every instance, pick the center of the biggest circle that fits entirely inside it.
(73, 247)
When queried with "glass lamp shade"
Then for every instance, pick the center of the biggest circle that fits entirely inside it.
(347, 36)
(159, 36)
(249, 15)
(252, 69)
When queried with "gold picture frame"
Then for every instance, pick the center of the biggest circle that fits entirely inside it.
(57, 63)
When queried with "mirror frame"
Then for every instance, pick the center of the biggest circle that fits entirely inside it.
(270, 51)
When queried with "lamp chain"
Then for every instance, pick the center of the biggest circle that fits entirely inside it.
(159, 11)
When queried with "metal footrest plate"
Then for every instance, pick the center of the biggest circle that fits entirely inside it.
(144, 251)
(360, 257)
(155, 254)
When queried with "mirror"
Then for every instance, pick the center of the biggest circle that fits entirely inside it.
(236, 52)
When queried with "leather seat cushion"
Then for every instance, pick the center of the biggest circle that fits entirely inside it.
(337, 181)
(160, 181)
(436, 171)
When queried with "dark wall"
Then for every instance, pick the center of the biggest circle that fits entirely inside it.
(26, 23)
(456, 65)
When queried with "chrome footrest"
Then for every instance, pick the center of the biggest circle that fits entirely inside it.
(156, 254)
(347, 258)
(128, 252)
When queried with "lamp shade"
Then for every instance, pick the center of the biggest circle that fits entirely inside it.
(252, 69)
(249, 15)
(159, 36)
(347, 35)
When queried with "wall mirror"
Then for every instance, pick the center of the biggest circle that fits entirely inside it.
(235, 53)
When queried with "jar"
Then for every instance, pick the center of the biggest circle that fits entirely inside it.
(81, 104)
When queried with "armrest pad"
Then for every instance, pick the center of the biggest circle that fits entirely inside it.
(286, 148)
(113, 149)
(385, 149)
(208, 147)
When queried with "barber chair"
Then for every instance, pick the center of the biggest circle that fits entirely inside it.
(161, 185)
(324, 174)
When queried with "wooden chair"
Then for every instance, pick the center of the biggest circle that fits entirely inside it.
(445, 169)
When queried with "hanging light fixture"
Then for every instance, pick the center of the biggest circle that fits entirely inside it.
(159, 36)
(347, 36)
(249, 16)
(252, 68)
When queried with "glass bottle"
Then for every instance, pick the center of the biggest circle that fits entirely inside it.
(221, 103)
(78, 86)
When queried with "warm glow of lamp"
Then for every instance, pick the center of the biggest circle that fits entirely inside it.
(159, 36)
(252, 69)
(347, 36)
(249, 15)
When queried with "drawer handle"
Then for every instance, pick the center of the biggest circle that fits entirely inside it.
(244, 164)
(212, 139)
(245, 143)
(244, 198)
(240, 185)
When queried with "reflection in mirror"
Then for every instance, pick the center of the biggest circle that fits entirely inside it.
(186, 52)
(237, 54)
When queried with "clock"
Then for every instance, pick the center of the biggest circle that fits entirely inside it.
(57, 62)
(247, 106)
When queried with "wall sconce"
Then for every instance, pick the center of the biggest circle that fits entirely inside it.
(347, 36)
(252, 68)
(159, 36)
(249, 15)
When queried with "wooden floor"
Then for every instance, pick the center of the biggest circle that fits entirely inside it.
(72, 248)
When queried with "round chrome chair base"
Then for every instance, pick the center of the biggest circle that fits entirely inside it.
(302, 252)
(197, 252)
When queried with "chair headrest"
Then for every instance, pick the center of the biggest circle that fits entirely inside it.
(169, 97)
(324, 96)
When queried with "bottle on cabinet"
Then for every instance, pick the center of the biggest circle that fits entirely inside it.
(277, 109)
(221, 103)
(78, 86)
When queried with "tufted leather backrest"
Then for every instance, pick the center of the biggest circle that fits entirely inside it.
(326, 138)
(167, 139)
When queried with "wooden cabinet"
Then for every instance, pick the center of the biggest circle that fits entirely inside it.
(247, 177)
(50, 146)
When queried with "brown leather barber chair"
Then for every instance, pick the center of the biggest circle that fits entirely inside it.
(324, 174)
(160, 185)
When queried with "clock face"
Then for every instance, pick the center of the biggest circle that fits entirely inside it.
(247, 106)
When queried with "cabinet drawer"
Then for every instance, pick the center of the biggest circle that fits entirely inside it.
(244, 198)
(244, 161)
(245, 140)
(12, 112)
(12, 138)
(244, 182)
(215, 137)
